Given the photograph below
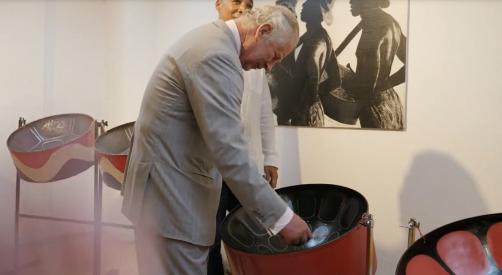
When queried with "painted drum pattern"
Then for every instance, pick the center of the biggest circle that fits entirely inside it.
(112, 150)
(471, 246)
(53, 148)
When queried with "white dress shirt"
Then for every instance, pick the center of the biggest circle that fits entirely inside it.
(258, 123)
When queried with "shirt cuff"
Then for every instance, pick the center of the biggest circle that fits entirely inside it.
(282, 221)
(271, 160)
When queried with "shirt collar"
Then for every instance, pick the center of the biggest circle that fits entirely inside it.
(235, 33)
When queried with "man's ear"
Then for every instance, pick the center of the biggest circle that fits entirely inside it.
(264, 29)
(217, 4)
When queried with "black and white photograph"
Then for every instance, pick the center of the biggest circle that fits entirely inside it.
(349, 67)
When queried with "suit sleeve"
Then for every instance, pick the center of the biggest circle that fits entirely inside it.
(214, 88)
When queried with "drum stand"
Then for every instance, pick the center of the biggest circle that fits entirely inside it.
(20, 124)
(413, 226)
(98, 204)
(367, 220)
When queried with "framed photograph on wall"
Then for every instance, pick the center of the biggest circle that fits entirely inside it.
(349, 67)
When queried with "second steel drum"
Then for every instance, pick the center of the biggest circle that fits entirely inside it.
(112, 149)
(467, 247)
(338, 246)
(53, 148)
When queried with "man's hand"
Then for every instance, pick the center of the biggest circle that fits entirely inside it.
(296, 232)
(271, 175)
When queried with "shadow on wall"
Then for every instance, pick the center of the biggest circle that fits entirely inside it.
(438, 190)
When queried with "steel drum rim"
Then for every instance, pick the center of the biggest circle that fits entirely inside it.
(303, 251)
(457, 225)
(11, 136)
(310, 249)
(101, 152)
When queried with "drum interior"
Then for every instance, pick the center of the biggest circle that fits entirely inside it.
(50, 132)
(116, 141)
(329, 210)
(471, 246)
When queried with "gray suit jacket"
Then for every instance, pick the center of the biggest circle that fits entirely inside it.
(189, 124)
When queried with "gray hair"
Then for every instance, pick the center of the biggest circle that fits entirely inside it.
(283, 21)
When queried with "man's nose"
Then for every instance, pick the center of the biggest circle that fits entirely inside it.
(242, 8)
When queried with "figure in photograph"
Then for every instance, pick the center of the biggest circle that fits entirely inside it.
(280, 80)
(290, 4)
(312, 58)
(297, 80)
(380, 42)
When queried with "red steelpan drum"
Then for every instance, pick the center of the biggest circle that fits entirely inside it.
(468, 247)
(340, 104)
(112, 149)
(339, 239)
(53, 148)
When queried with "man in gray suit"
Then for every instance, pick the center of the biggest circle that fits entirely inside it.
(189, 125)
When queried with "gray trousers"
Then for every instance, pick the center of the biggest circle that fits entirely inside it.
(158, 255)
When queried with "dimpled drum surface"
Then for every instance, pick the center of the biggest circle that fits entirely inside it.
(53, 148)
(338, 245)
(467, 247)
(112, 149)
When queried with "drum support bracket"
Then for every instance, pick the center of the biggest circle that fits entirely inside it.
(413, 225)
(367, 220)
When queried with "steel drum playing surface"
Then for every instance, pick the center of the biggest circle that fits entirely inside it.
(53, 148)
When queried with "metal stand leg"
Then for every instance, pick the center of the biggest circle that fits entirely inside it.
(21, 123)
(98, 202)
(97, 223)
(16, 224)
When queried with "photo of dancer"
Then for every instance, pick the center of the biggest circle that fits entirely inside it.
(349, 67)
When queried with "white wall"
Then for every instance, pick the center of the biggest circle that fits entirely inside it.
(53, 61)
(96, 57)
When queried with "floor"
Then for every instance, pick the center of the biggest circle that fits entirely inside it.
(60, 248)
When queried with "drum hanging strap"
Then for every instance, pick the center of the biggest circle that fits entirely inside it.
(349, 38)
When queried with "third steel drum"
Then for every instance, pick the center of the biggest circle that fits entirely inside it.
(471, 246)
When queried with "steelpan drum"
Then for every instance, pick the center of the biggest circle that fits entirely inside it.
(112, 149)
(339, 239)
(339, 104)
(467, 247)
(53, 148)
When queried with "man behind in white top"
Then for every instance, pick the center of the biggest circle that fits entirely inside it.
(258, 131)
